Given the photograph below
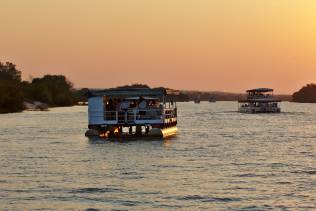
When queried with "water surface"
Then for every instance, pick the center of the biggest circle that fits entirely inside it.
(220, 160)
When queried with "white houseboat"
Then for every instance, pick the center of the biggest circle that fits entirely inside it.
(259, 100)
(127, 112)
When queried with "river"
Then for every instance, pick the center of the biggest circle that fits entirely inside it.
(220, 160)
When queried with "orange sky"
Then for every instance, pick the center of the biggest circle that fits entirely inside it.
(225, 45)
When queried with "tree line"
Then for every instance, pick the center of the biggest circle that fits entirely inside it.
(57, 90)
(53, 90)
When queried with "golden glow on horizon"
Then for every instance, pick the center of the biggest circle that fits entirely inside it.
(200, 45)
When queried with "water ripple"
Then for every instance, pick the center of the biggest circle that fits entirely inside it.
(220, 160)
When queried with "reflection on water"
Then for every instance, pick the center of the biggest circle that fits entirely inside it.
(220, 159)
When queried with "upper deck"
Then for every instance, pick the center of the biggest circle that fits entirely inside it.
(132, 106)
(132, 92)
(261, 95)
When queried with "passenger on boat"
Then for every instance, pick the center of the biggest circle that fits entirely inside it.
(142, 103)
(124, 105)
(153, 104)
(110, 105)
(132, 104)
(118, 104)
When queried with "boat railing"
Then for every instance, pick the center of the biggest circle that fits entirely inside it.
(170, 113)
(130, 116)
(265, 105)
(121, 117)
(149, 114)
(258, 96)
(110, 115)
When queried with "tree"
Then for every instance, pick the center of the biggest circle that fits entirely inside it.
(54, 90)
(11, 93)
(9, 72)
(80, 95)
(306, 94)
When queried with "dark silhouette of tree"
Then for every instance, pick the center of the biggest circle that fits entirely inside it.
(11, 93)
(8, 71)
(80, 95)
(306, 94)
(55, 90)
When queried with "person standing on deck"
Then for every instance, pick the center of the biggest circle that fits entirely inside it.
(142, 103)
(124, 105)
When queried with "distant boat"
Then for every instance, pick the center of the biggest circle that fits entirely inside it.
(259, 100)
(212, 100)
(197, 100)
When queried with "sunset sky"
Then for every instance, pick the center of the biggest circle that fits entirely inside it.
(223, 45)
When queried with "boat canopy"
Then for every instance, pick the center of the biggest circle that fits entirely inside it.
(260, 90)
(132, 92)
(145, 98)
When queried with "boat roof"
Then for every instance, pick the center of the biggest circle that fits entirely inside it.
(260, 90)
(145, 98)
(132, 92)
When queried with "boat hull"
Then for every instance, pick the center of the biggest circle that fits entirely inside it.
(163, 132)
(253, 110)
(154, 132)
